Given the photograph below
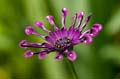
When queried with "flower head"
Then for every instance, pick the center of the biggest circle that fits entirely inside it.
(60, 40)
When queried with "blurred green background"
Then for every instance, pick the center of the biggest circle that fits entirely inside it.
(99, 60)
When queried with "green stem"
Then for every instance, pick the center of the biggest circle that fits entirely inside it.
(71, 66)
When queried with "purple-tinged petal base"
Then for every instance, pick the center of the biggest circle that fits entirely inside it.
(49, 39)
(59, 57)
(77, 41)
(64, 32)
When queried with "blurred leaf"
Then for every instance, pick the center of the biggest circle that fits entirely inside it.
(112, 53)
(5, 42)
(35, 9)
(113, 25)
(4, 74)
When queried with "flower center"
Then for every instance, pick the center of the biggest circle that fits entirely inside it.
(62, 43)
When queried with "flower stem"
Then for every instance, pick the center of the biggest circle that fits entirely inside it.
(71, 65)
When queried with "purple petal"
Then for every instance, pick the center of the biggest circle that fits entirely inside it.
(64, 32)
(36, 45)
(42, 55)
(50, 20)
(97, 26)
(48, 45)
(76, 34)
(58, 34)
(70, 33)
(53, 35)
(87, 39)
(85, 22)
(28, 54)
(64, 14)
(74, 21)
(40, 25)
(59, 57)
(72, 56)
(81, 15)
(22, 43)
(49, 39)
(29, 30)
(76, 41)
(80, 18)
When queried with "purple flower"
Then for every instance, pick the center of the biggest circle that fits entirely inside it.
(60, 40)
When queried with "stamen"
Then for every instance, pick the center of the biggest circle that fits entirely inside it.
(62, 43)
(40, 25)
(80, 18)
(50, 20)
(29, 30)
(64, 14)
(86, 21)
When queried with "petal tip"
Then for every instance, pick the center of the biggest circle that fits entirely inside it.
(88, 39)
(38, 24)
(97, 26)
(94, 32)
(49, 17)
(28, 54)
(22, 43)
(65, 11)
(81, 15)
(72, 56)
(29, 30)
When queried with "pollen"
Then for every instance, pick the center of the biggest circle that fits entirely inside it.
(62, 43)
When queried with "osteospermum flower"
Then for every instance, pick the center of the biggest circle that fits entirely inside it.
(60, 40)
